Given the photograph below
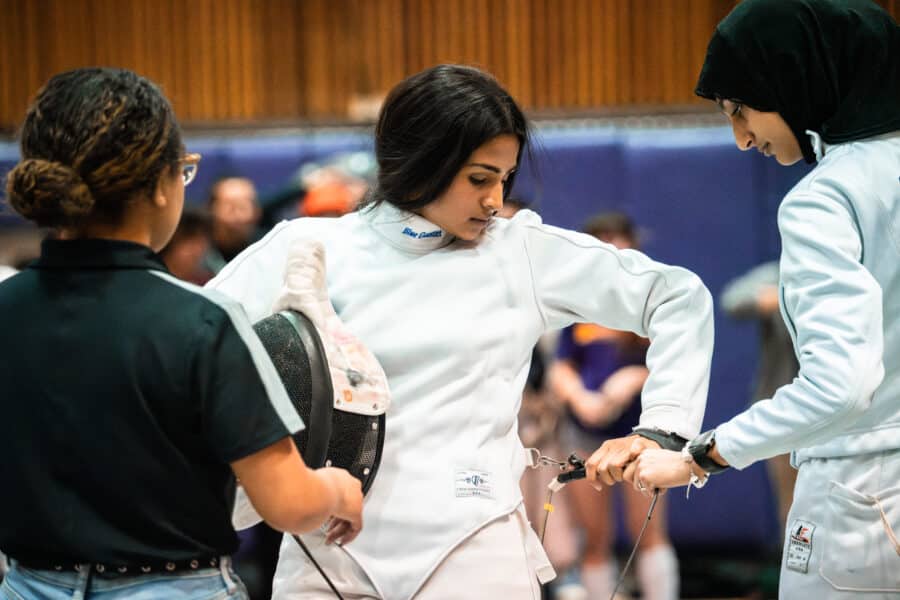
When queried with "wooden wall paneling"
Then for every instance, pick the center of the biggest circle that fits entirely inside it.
(440, 31)
(661, 36)
(25, 50)
(553, 55)
(526, 54)
(539, 62)
(569, 50)
(228, 64)
(483, 31)
(175, 87)
(10, 30)
(498, 64)
(202, 104)
(641, 50)
(215, 57)
(509, 29)
(452, 25)
(701, 26)
(397, 63)
(581, 32)
(426, 33)
(315, 59)
(336, 59)
(469, 29)
(680, 73)
(270, 39)
(412, 54)
(164, 45)
(248, 34)
(72, 28)
(240, 60)
(346, 55)
(624, 56)
(365, 78)
(281, 63)
(607, 69)
(594, 39)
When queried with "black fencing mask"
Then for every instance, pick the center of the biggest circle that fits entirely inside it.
(333, 380)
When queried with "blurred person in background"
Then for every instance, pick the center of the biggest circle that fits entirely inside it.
(185, 254)
(754, 295)
(598, 374)
(336, 186)
(331, 187)
(234, 219)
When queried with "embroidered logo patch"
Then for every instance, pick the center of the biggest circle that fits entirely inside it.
(422, 234)
(471, 483)
(800, 546)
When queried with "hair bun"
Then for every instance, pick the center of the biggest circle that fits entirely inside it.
(48, 192)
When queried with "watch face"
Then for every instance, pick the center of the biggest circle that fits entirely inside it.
(699, 448)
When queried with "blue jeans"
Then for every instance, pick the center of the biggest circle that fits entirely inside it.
(220, 583)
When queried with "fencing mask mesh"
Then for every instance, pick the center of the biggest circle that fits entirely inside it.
(334, 382)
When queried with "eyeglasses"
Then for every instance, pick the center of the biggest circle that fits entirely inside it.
(189, 167)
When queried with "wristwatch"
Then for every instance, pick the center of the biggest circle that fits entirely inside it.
(699, 448)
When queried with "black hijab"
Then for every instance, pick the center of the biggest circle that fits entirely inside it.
(831, 66)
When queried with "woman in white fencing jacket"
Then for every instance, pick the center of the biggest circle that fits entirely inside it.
(451, 301)
(820, 80)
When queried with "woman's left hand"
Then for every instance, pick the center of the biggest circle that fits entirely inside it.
(658, 469)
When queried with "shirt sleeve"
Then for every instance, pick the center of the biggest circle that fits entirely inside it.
(834, 307)
(245, 405)
(578, 278)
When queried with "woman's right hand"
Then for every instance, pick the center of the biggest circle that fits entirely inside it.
(294, 498)
(347, 520)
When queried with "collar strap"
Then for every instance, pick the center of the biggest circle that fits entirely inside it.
(405, 230)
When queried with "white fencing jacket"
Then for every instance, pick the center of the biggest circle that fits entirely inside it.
(453, 324)
(840, 298)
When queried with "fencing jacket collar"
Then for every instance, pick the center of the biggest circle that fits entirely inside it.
(405, 230)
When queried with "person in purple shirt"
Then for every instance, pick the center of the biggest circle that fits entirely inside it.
(598, 373)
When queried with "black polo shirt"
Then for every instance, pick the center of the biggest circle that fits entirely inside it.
(125, 395)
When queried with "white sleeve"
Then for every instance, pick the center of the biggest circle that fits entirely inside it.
(834, 307)
(580, 279)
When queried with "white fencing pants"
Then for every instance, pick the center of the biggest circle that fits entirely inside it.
(502, 560)
(842, 531)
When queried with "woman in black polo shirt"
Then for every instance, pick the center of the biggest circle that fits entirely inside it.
(132, 399)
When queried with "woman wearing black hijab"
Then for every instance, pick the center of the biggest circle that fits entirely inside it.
(820, 80)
